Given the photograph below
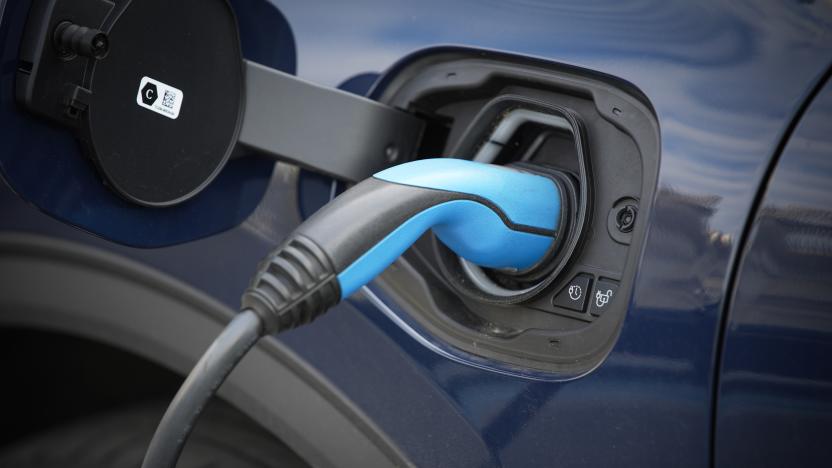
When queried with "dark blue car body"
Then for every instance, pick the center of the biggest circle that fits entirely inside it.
(723, 356)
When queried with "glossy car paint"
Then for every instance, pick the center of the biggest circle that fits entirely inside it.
(775, 386)
(725, 80)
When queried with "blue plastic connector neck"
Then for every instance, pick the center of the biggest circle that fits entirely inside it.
(504, 218)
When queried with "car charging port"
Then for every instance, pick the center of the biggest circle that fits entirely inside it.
(536, 137)
(597, 136)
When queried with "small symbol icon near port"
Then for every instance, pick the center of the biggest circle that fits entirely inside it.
(575, 292)
(602, 298)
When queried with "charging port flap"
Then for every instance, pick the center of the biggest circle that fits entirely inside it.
(160, 97)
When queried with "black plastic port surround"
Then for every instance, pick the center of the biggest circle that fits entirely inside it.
(609, 148)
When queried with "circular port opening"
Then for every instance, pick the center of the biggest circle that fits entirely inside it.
(513, 286)
(520, 131)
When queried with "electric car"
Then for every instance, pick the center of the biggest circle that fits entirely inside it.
(463, 233)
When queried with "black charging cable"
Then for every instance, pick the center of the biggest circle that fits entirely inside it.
(207, 376)
(293, 286)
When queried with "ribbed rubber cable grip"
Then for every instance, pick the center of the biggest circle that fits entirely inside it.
(294, 285)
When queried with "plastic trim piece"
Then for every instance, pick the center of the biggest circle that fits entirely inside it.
(108, 298)
(325, 130)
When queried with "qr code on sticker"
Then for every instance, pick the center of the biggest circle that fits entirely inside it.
(169, 99)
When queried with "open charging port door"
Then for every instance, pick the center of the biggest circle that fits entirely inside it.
(159, 96)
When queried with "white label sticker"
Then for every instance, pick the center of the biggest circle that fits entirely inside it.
(159, 97)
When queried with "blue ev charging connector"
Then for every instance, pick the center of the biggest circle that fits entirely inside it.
(493, 216)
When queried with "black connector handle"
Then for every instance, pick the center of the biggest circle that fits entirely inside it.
(293, 286)
(491, 215)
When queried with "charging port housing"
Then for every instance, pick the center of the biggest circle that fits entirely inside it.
(559, 320)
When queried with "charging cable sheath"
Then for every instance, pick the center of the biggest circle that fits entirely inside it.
(493, 216)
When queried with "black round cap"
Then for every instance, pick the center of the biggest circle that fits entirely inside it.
(167, 100)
